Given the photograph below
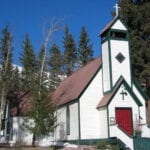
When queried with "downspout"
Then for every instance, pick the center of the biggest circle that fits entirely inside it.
(108, 122)
(79, 131)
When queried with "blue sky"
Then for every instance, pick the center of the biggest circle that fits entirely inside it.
(29, 16)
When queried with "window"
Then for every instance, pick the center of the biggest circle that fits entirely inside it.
(117, 34)
(68, 120)
(104, 36)
(120, 57)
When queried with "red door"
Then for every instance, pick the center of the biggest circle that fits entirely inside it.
(124, 120)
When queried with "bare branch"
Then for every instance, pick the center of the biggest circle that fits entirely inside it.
(52, 28)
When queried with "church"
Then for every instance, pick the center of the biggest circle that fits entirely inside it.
(102, 100)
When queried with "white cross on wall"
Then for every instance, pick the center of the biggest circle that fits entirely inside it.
(117, 9)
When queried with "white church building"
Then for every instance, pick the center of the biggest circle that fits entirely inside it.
(102, 100)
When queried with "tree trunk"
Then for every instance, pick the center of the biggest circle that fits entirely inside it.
(34, 141)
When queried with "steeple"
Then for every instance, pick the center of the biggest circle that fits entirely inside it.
(115, 53)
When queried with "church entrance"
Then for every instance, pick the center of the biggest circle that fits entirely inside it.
(124, 120)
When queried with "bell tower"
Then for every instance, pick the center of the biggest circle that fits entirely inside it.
(115, 54)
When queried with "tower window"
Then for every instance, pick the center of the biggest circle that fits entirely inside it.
(117, 34)
(104, 36)
(120, 57)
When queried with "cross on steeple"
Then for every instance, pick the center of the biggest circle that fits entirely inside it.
(117, 9)
(123, 93)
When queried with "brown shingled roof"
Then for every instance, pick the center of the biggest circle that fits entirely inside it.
(71, 88)
(106, 99)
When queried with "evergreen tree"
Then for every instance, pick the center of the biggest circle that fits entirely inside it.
(6, 71)
(70, 52)
(28, 60)
(42, 112)
(55, 66)
(136, 15)
(39, 65)
(85, 52)
(15, 86)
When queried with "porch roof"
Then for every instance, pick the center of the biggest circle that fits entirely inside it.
(108, 97)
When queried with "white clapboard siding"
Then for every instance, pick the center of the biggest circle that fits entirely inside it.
(128, 102)
(103, 123)
(106, 66)
(120, 69)
(115, 131)
(74, 122)
(89, 115)
(118, 25)
(20, 134)
(60, 131)
(143, 108)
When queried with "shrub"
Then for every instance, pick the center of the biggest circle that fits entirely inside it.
(102, 145)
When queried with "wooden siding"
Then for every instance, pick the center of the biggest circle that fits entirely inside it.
(119, 102)
(143, 108)
(105, 66)
(20, 134)
(144, 120)
(89, 115)
(74, 122)
(128, 102)
(120, 69)
(60, 131)
(118, 25)
(103, 123)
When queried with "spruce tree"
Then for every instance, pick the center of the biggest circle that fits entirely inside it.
(70, 52)
(43, 109)
(85, 52)
(6, 72)
(55, 64)
(136, 15)
(28, 61)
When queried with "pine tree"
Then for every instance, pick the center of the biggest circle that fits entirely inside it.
(28, 61)
(15, 90)
(85, 52)
(43, 109)
(136, 15)
(55, 66)
(6, 71)
(42, 113)
(70, 52)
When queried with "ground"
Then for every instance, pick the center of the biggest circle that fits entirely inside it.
(27, 148)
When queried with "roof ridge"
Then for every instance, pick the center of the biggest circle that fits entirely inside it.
(70, 88)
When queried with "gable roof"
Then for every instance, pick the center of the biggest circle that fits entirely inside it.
(109, 25)
(71, 88)
(108, 97)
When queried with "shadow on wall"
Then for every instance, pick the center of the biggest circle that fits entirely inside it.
(148, 113)
(62, 131)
